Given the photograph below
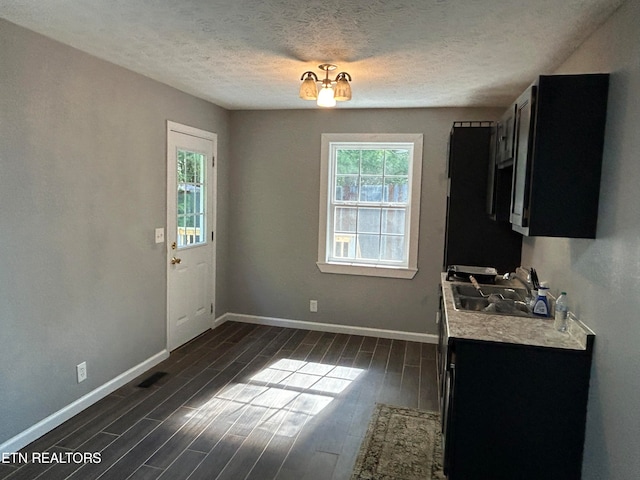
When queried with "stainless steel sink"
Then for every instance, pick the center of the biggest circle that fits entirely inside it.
(496, 300)
(467, 290)
(471, 304)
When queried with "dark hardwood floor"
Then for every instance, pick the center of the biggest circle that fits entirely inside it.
(243, 402)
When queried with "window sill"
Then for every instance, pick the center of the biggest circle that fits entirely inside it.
(367, 270)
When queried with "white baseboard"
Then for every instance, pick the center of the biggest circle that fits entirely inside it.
(52, 421)
(219, 321)
(329, 327)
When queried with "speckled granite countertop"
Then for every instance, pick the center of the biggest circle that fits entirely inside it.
(507, 329)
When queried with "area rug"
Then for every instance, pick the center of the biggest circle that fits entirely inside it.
(401, 444)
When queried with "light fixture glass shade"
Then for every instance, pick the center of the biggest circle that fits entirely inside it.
(343, 90)
(325, 97)
(309, 89)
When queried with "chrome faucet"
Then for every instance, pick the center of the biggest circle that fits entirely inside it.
(525, 284)
(518, 275)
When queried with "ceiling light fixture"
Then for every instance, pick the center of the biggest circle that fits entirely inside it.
(330, 91)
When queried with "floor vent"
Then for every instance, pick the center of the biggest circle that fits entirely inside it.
(152, 379)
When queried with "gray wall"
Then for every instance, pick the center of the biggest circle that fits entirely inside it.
(82, 187)
(602, 276)
(275, 181)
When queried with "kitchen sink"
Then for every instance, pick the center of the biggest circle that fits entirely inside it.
(468, 290)
(496, 300)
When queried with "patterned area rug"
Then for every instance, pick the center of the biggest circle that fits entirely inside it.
(401, 444)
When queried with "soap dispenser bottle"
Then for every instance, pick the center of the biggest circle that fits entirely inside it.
(541, 305)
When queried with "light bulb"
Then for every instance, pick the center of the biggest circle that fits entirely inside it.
(325, 97)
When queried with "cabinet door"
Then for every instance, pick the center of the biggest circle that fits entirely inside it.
(520, 190)
(505, 137)
(515, 412)
(501, 169)
(448, 429)
(560, 127)
(443, 338)
(492, 171)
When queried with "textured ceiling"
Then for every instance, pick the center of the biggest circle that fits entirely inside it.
(250, 54)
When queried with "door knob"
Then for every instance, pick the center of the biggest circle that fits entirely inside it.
(175, 260)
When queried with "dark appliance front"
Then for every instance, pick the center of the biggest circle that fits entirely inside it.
(471, 236)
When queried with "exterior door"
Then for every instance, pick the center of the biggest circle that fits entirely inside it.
(190, 237)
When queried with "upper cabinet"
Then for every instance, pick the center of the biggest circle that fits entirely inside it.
(558, 140)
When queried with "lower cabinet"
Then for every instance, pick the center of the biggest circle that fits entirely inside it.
(512, 411)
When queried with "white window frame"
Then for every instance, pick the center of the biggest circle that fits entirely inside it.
(330, 141)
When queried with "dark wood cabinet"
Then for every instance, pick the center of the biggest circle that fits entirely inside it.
(504, 138)
(501, 168)
(521, 177)
(558, 143)
(498, 199)
(471, 237)
(513, 411)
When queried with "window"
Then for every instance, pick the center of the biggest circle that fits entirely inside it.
(191, 207)
(370, 204)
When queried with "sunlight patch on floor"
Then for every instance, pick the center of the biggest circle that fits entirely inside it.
(282, 396)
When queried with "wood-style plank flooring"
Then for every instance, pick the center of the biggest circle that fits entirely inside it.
(243, 402)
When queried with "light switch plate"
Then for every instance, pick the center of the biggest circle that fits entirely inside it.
(159, 235)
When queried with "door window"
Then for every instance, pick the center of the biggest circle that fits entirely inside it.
(191, 199)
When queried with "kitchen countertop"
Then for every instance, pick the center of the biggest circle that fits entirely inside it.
(511, 329)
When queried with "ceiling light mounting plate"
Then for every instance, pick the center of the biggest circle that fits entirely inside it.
(327, 67)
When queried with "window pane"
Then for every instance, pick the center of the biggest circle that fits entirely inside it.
(181, 166)
(371, 189)
(348, 162)
(393, 248)
(396, 190)
(369, 220)
(345, 219)
(194, 167)
(393, 221)
(198, 199)
(185, 166)
(189, 167)
(181, 198)
(189, 197)
(344, 246)
(396, 162)
(347, 188)
(198, 170)
(199, 229)
(372, 162)
(369, 247)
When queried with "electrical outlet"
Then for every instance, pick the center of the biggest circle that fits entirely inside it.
(313, 305)
(81, 370)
